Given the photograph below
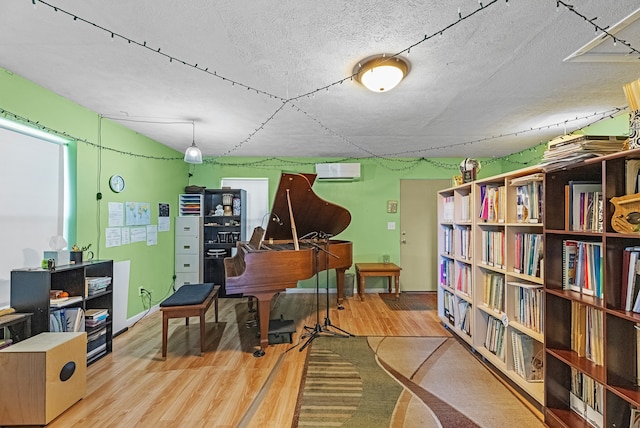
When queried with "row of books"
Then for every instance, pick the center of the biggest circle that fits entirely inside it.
(529, 302)
(529, 198)
(587, 332)
(494, 339)
(493, 199)
(447, 240)
(584, 206)
(448, 209)
(464, 243)
(630, 281)
(582, 267)
(528, 254)
(493, 291)
(586, 398)
(67, 320)
(527, 357)
(463, 279)
(446, 272)
(493, 248)
(458, 312)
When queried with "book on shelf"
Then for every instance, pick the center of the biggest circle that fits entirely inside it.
(66, 320)
(529, 300)
(582, 267)
(492, 201)
(61, 302)
(587, 332)
(586, 206)
(465, 208)
(5, 343)
(448, 209)
(528, 254)
(527, 357)
(586, 398)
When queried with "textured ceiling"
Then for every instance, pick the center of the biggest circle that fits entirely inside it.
(238, 70)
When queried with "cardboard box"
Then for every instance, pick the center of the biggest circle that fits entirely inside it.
(61, 257)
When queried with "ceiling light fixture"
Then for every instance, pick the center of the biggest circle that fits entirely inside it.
(381, 73)
(193, 153)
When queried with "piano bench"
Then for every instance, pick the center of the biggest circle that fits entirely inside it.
(190, 300)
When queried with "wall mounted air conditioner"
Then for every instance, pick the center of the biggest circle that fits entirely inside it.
(338, 171)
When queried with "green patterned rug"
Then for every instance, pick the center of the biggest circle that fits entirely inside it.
(342, 376)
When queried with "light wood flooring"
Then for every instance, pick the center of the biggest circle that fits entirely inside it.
(227, 386)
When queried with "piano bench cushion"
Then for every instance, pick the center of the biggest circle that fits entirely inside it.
(188, 294)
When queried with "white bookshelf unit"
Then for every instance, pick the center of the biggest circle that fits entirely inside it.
(490, 291)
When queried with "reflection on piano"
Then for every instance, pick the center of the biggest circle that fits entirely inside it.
(277, 259)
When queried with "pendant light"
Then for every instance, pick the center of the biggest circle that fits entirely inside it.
(193, 153)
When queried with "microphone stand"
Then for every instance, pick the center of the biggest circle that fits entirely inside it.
(318, 329)
(327, 320)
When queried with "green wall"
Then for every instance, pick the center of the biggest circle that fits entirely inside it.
(156, 174)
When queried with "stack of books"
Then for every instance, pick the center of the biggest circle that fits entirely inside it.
(96, 317)
(95, 285)
(571, 149)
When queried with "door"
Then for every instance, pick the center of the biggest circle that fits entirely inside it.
(418, 233)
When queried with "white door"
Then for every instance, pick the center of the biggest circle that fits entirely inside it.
(418, 233)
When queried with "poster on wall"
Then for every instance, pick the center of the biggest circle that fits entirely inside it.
(164, 220)
(138, 234)
(116, 214)
(113, 238)
(152, 234)
(138, 213)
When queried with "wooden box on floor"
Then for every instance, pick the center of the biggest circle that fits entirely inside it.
(41, 377)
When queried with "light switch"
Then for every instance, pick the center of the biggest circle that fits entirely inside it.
(391, 225)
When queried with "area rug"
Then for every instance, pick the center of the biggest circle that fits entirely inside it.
(403, 382)
(410, 301)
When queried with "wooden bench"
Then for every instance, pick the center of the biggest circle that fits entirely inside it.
(190, 300)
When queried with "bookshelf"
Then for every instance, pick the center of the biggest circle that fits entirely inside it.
(607, 362)
(481, 227)
(30, 292)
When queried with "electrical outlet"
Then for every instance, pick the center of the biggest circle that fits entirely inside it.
(140, 291)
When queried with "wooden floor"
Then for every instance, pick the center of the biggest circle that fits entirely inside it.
(228, 386)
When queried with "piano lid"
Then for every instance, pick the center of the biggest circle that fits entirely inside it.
(310, 212)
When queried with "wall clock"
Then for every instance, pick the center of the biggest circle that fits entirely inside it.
(116, 183)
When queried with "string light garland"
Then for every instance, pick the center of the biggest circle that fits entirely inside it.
(311, 94)
(597, 28)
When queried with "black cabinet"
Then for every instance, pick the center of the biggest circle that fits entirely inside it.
(224, 225)
(30, 292)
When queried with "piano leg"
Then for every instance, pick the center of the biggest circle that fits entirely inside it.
(340, 285)
(264, 312)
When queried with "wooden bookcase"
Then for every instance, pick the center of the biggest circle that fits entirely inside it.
(30, 293)
(487, 280)
(615, 376)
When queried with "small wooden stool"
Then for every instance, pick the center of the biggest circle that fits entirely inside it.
(190, 300)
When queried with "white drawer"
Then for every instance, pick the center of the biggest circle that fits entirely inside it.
(187, 263)
(183, 278)
(187, 245)
(188, 226)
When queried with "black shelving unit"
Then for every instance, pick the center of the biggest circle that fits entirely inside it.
(30, 293)
(224, 225)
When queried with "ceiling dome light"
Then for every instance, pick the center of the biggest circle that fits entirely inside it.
(381, 73)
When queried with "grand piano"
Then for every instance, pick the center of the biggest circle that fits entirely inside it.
(296, 245)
